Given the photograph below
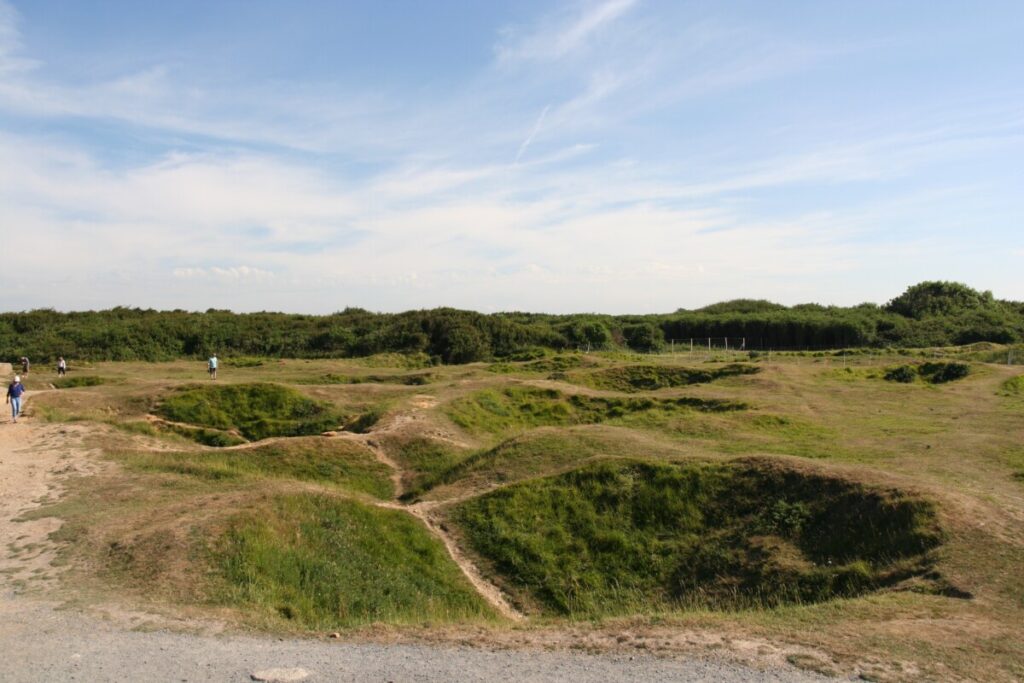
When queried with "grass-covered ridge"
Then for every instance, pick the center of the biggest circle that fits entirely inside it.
(631, 536)
(329, 563)
(256, 411)
(408, 379)
(633, 378)
(547, 365)
(523, 407)
(327, 461)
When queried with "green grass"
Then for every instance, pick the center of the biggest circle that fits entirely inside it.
(529, 455)
(78, 381)
(424, 462)
(410, 379)
(328, 563)
(631, 536)
(256, 411)
(327, 461)
(244, 362)
(1013, 387)
(633, 378)
(554, 364)
(518, 408)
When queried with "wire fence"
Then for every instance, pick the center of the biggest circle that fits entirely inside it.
(740, 348)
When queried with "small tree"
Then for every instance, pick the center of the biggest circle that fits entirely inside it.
(644, 336)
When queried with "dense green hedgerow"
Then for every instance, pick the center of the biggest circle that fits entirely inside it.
(630, 536)
(256, 411)
(525, 407)
(928, 314)
(329, 563)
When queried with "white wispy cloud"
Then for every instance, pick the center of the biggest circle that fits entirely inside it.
(533, 133)
(229, 273)
(561, 34)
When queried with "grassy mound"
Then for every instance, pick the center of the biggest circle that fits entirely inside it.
(328, 461)
(330, 563)
(411, 379)
(935, 373)
(256, 411)
(78, 381)
(539, 452)
(423, 461)
(517, 408)
(1013, 387)
(630, 536)
(559, 363)
(632, 378)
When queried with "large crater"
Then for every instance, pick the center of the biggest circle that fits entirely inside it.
(627, 536)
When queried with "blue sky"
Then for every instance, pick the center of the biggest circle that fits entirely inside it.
(612, 156)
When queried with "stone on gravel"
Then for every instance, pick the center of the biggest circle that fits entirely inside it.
(280, 675)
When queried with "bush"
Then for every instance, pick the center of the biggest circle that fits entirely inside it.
(902, 373)
(939, 373)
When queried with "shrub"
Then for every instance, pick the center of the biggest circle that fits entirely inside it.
(902, 373)
(938, 373)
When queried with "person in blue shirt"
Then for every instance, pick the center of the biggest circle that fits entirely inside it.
(14, 393)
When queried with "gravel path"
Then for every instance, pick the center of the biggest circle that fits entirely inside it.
(40, 643)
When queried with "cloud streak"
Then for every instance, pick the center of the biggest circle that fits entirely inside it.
(562, 35)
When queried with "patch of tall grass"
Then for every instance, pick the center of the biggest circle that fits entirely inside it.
(325, 563)
(517, 408)
(424, 462)
(327, 461)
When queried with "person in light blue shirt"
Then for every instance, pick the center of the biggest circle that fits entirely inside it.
(211, 366)
(14, 393)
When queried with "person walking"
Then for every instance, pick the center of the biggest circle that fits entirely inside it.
(211, 366)
(25, 365)
(62, 367)
(14, 393)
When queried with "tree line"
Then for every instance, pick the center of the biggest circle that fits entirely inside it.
(927, 314)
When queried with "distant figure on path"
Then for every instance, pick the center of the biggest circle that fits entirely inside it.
(24, 365)
(211, 366)
(14, 393)
(62, 367)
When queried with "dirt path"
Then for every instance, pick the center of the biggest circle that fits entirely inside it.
(34, 461)
(487, 590)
